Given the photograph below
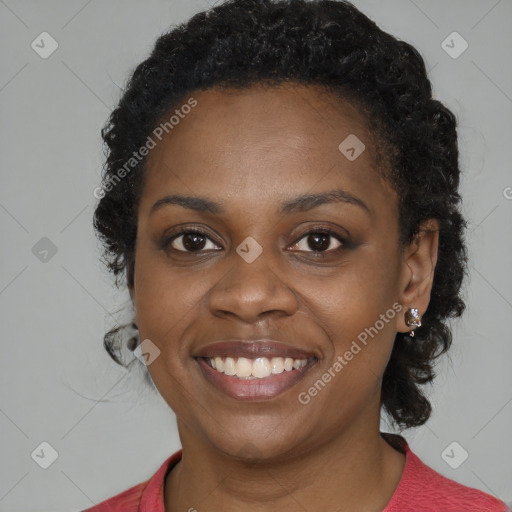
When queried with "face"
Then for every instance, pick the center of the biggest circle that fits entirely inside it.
(326, 272)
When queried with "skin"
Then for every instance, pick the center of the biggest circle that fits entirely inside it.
(252, 150)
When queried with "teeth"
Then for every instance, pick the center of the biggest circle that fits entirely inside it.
(277, 365)
(229, 366)
(260, 367)
(218, 364)
(243, 367)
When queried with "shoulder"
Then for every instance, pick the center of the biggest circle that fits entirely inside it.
(423, 489)
(146, 496)
(127, 501)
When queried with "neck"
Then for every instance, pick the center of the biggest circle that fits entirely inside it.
(352, 472)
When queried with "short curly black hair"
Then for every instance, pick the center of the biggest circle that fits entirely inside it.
(325, 43)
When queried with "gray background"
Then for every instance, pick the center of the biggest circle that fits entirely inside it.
(58, 385)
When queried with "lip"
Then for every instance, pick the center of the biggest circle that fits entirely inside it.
(254, 389)
(251, 349)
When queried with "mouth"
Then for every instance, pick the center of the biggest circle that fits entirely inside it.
(254, 371)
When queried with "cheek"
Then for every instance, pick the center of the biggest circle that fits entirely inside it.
(165, 299)
(355, 309)
(357, 294)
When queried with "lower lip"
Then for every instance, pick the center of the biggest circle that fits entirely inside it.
(254, 389)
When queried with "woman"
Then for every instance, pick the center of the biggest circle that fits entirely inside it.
(281, 190)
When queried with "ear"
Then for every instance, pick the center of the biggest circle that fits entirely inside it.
(417, 273)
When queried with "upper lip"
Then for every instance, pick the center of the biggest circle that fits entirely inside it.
(252, 349)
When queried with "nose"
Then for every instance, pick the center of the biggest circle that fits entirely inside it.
(250, 291)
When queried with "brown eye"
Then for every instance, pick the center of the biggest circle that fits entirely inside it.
(190, 241)
(319, 241)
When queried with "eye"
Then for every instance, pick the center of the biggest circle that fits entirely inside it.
(190, 241)
(195, 241)
(321, 240)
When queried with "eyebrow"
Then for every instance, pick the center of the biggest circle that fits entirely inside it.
(297, 204)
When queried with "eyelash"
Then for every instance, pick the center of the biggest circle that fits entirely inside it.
(321, 231)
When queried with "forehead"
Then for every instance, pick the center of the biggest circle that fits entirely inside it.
(262, 137)
(290, 113)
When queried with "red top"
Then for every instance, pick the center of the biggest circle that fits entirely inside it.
(420, 489)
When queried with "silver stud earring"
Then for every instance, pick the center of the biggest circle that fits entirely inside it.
(412, 319)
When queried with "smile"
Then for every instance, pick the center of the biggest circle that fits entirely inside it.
(258, 368)
(254, 379)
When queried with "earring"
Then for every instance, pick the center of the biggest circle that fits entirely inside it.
(412, 319)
